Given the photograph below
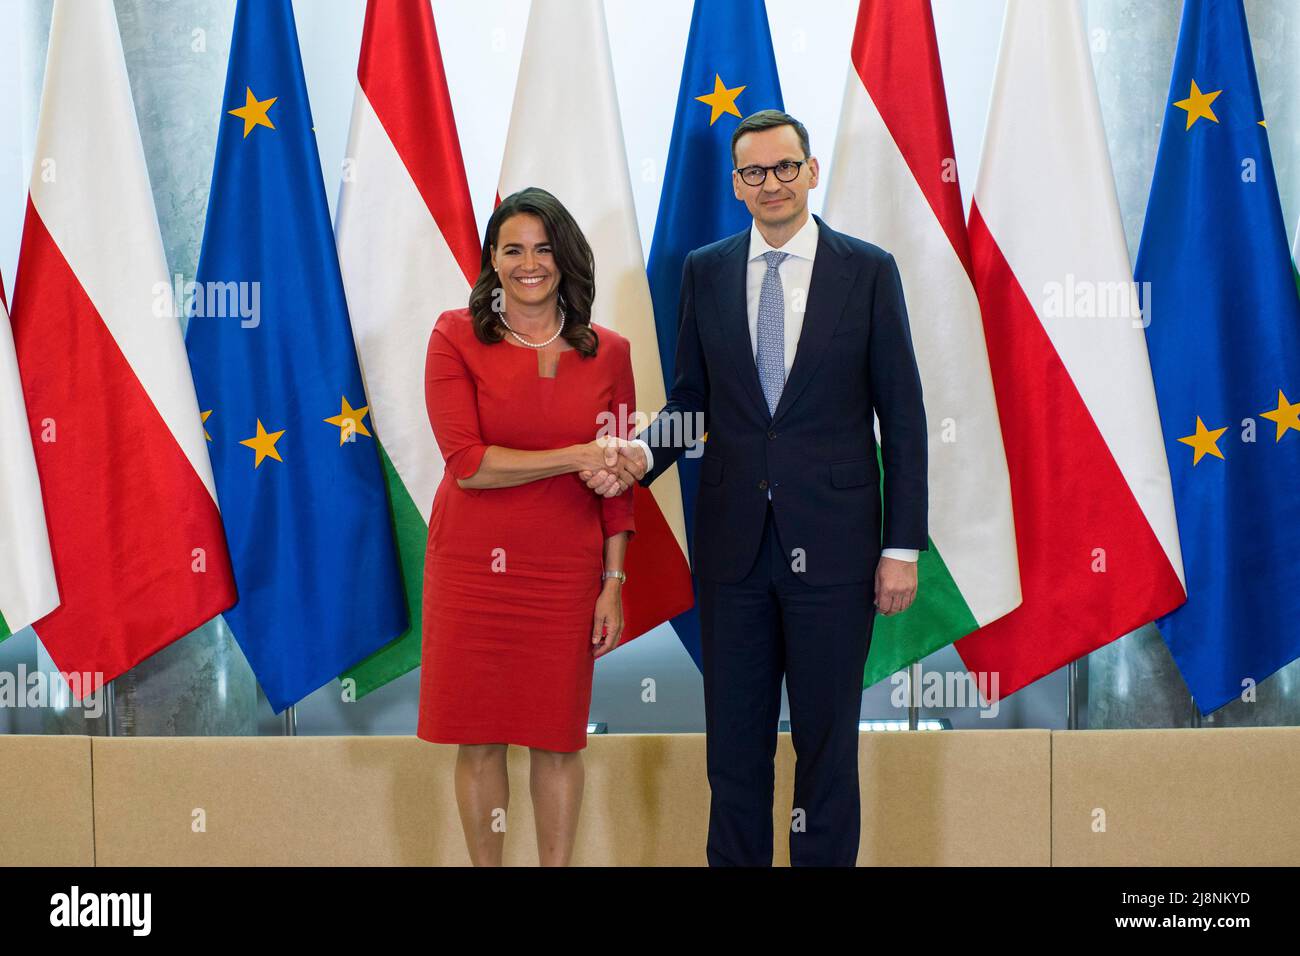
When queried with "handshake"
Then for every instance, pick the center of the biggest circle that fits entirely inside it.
(610, 466)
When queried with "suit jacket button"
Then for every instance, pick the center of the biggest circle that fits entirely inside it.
(771, 435)
(762, 485)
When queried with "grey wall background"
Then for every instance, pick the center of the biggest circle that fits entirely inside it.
(176, 55)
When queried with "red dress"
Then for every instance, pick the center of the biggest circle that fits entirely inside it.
(511, 575)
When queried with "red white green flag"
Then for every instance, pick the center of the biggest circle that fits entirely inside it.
(894, 183)
(408, 251)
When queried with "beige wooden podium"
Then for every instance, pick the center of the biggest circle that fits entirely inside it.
(929, 798)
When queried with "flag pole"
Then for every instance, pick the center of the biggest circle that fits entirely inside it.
(110, 709)
(914, 696)
(1072, 695)
(291, 720)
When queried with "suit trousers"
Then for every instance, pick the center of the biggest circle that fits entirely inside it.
(772, 625)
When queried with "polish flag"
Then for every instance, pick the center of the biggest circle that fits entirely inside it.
(27, 588)
(409, 251)
(566, 137)
(1090, 489)
(139, 552)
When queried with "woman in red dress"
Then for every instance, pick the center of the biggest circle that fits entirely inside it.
(523, 572)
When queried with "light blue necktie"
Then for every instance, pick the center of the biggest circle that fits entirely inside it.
(770, 356)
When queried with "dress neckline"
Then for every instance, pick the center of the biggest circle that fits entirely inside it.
(537, 360)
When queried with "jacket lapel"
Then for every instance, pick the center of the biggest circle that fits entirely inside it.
(828, 292)
(731, 302)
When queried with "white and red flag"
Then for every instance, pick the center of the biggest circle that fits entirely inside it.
(27, 587)
(566, 136)
(1091, 496)
(139, 553)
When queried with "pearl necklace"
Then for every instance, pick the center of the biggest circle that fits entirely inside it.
(523, 341)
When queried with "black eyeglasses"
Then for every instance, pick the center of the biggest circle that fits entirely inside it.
(786, 172)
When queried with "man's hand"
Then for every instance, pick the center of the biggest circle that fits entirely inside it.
(895, 585)
(625, 464)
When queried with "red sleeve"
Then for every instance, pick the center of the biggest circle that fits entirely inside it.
(616, 512)
(450, 397)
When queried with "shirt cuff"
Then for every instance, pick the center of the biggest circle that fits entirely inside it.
(649, 458)
(901, 554)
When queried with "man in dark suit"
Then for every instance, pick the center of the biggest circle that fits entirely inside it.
(789, 529)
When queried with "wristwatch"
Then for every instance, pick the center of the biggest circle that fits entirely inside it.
(622, 576)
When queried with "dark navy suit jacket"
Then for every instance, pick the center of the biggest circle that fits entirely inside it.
(817, 454)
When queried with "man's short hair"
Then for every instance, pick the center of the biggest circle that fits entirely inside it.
(769, 119)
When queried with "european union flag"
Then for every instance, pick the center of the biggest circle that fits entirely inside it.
(1224, 339)
(297, 471)
(730, 72)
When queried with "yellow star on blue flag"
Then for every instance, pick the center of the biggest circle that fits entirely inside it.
(1215, 273)
(254, 112)
(721, 100)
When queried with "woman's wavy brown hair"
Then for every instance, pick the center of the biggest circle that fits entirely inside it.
(573, 258)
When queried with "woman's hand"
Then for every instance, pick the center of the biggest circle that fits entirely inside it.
(620, 465)
(607, 628)
(595, 455)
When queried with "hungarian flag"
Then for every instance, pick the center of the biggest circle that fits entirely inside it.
(27, 588)
(894, 183)
(139, 553)
(408, 250)
(566, 137)
(1090, 488)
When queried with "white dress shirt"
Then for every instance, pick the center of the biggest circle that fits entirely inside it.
(796, 275)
